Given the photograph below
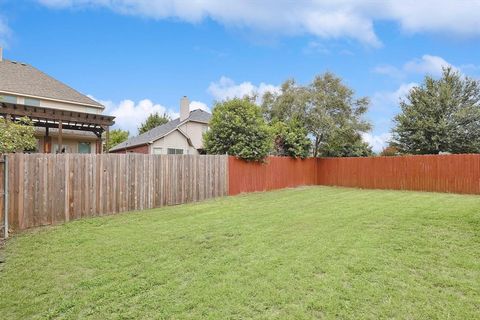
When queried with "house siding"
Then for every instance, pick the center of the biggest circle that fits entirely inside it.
(136, 149)
(195, 131)
(174, 140)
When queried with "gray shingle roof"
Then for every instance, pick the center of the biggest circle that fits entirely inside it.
(24, 79)
(160, 131)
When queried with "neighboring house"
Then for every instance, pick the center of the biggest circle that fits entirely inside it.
(183, 135)
(65, 120)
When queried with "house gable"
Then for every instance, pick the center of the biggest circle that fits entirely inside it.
(173, 140)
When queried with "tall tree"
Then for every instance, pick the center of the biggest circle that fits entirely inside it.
(17, 136)
(238, 128)
(153, 120)
(440, 115)
(116, 136)
(290, 139)
(328, 109)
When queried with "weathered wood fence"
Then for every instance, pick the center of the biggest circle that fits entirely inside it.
(3, 221)
(48, 189)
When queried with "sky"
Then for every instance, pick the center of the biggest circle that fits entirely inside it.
(141, 56)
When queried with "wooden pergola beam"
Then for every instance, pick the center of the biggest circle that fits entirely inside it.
(41, 113)
(61, 119)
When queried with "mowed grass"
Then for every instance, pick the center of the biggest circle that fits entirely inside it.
(306, 253)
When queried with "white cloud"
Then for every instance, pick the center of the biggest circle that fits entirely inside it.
(129, 114)
(427, 64)
(353, 19)
(5, 32)
(386, 100)
(377, 142)
(385, 105)
(199, 105)
(226, 88)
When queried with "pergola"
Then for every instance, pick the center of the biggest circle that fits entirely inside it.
(59, 119)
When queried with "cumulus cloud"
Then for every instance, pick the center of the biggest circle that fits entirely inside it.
(352, 19)
(199, 105)
(377, 142)
(130, 114)
(427, 64)
(226, 88)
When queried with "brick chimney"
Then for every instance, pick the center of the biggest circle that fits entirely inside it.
(184, 108)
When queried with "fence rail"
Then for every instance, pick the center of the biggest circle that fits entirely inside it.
(50, 189)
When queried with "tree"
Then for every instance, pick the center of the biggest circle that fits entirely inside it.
(440, 116)
(238, 128)
(17, 136)
(290, 139)
(389, 151)
(116, 136)
(328, 109)
(153, 120)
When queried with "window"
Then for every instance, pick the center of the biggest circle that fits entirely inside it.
(8, 99)
(174, 151)
(65, 149)
(157, 150)
(84, 147)
(32, 102)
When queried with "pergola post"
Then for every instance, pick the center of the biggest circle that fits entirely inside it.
(47, 142)
(60, 137)
(107, 138)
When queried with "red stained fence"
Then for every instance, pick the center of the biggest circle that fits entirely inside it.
(276, 173)
(436, 173)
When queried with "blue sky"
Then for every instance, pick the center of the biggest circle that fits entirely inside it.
(139, 56)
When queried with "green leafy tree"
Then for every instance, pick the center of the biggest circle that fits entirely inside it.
(238, 128)
(440, 115)
(389, 151)
(153, 120)
(328, 109)
(290, 139)
(17, 136)
(116, 136)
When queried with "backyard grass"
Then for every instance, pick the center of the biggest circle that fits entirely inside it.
(304, 253)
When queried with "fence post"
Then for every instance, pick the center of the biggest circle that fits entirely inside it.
(5, 196)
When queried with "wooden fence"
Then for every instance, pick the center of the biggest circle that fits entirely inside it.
(2, 190)
(48, 189)
(275, 173)
(436, 173)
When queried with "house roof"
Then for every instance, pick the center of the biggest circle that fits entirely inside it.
(161, 131)
(23, 79)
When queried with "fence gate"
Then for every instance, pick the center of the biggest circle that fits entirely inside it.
(4, 196)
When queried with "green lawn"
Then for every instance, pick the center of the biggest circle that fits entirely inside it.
(303, 253)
